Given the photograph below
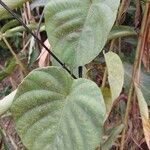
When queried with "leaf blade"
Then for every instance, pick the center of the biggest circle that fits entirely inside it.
(6, 102)
(12, 5)
(74, 30)
(115, 73)
(58, 112)
(144, 114)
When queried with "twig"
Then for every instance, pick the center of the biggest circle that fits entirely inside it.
(15, 56)
(7, 139)
(39, 24)
(25, 26)
(135, 74)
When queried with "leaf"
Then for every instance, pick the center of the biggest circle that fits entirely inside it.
(142, 104)
(38, 3)
(144, 83)
(78, 29)
(8, 69)
(10, 24)
(112, 137)
(11, 4)
(115, 73)
(6, 102)
(145, 87)
(144, 114)
(44, 57)
(54, 112)
(16, 30)
(121, 31)
(107, 98)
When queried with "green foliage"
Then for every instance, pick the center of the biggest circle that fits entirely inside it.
(53, 111)
(78, 30)
(11, 32)
(115, 74)
(8, 69)
(144, 111)
(8, 25)
(107, 98)
(38, 3)
(12, 4)
(6, 102)
(145, 86)
(121, 31)
(144, 83)
(142, 103)
(112, 136)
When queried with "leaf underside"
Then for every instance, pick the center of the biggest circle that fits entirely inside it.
(78, 29)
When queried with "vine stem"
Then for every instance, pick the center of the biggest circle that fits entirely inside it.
(135, 74)
(15, 56)
(37, 39)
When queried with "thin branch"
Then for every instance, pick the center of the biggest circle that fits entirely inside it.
(15, 56)
(40, 22)
(135, 74)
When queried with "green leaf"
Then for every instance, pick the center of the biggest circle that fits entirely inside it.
(17, 30)
(112, 137)
(8, 69)
(145, 86)
(78, 29)
(38, 3)
(142, 103)
(107, 98)
(121, 31)
(10, 24)
(33, 53)
(144, 82)
(6, 102)
(54, 112)
(11, 4)
(144, 114)
(115, 74)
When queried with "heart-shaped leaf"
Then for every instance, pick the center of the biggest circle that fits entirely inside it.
(54, 112)
(78, 29)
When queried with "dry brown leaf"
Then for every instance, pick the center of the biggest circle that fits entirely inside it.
(138, 14)
(146, 43)
(146, 128)
(144, 115)
(44, 56)
(122, 13)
